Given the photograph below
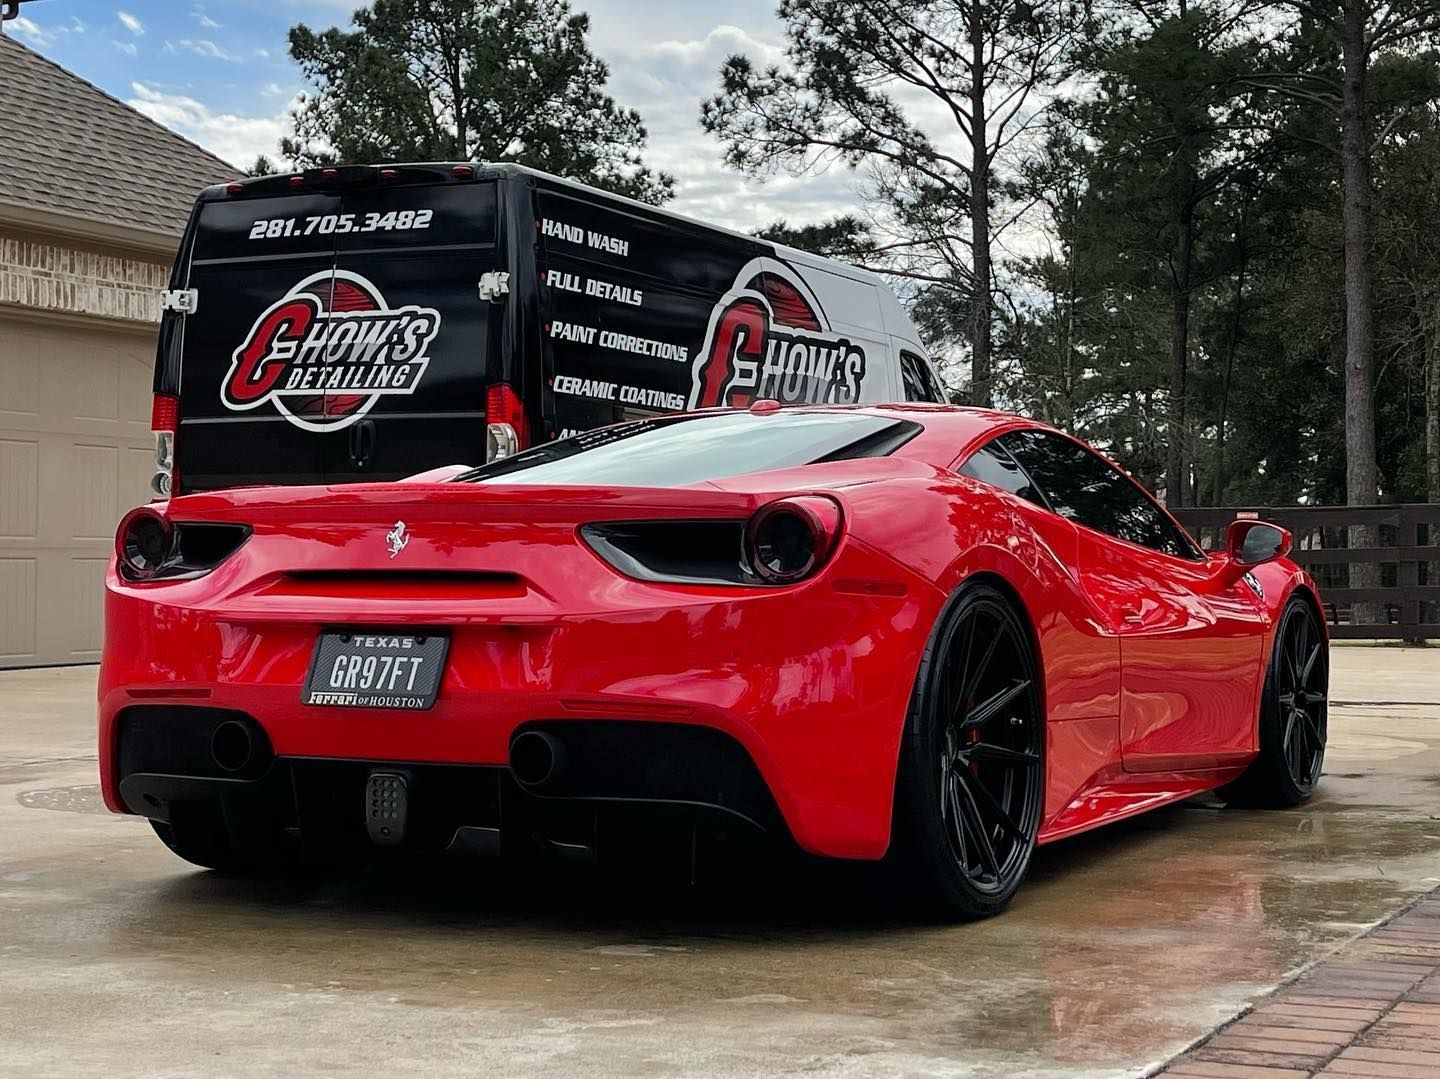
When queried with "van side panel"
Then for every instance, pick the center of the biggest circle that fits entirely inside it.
(855, 361)
(625, 302)
(643, 313)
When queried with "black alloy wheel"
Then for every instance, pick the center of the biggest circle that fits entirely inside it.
(1302, 683)
(972, 777)
(1294, 720)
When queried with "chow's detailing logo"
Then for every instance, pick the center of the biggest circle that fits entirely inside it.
(328, 350)
(768, 338)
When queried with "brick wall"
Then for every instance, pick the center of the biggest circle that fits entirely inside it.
(51, 276)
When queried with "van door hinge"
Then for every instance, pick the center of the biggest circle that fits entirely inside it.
(184, 300)
(493, 285)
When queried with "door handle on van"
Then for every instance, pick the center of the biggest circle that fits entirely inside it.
(362, 443)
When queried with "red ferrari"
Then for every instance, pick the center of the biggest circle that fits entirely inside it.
(929, 634)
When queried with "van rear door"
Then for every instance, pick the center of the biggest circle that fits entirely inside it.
(408, 270)
(258, 267)
(339, 334)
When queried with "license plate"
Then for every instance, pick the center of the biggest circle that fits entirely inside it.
(362, 669)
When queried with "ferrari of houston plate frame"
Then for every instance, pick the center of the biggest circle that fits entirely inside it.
(376, 669)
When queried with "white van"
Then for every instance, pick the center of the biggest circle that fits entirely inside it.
(371, 322)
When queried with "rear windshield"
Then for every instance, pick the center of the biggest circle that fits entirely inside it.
(678, 451)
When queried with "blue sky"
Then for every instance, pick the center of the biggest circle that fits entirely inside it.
(218, 73)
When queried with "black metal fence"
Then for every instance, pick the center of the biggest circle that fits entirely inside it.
(1403, 605)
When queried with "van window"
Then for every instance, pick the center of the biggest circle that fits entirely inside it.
(677, 451)
(919, 381)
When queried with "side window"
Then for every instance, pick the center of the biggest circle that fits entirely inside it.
(991, 464)
(932, 381)
(1081, 486)
(919, 381)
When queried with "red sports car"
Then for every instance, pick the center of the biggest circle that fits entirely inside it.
(930, 634)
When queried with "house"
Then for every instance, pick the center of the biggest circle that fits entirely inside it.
(93, 199)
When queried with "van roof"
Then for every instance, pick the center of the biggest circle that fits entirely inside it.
(503, 168)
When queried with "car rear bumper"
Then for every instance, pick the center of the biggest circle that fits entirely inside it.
(801, 694)
(612, 774)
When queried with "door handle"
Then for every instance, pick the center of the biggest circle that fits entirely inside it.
(362, 443)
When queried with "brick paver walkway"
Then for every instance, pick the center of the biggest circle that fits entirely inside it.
(1373, 1011)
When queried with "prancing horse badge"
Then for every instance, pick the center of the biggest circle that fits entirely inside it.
(396, 540)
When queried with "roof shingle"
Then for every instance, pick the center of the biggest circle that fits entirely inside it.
(69, 147)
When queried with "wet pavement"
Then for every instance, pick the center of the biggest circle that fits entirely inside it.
(1122, 948)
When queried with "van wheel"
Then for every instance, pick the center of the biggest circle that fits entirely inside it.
(972, 771)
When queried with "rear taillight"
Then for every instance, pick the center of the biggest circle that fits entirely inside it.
(506, 430)
(673, 552)
(144, 543)
(151, 547)
(788, 540)
(164, 421)
(783, 543)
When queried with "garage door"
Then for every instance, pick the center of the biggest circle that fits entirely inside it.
(75, 454)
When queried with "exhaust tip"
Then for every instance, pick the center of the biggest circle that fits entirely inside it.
(231, 746)
(536, 758)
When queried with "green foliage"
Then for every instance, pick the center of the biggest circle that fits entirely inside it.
(468, 80)
(844, 237)
(856, 82)
(1173, 284)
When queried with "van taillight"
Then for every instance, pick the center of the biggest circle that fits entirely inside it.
(506, 430)
(164, 422)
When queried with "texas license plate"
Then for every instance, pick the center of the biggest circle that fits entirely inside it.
(362, 669)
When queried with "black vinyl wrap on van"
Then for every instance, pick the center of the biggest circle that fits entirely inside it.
(353, 324)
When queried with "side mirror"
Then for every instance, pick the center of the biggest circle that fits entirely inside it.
(1250, 543)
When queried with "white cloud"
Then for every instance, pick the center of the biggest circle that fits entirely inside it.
(237, 139)
(666, 82)
(31, 32)
(208, 49)
(44, 36)
(130, 22)
(127, 47)
(205, 21)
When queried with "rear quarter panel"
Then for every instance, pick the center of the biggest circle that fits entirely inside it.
(950, 529)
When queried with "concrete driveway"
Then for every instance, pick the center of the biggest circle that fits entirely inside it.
(1122, 948)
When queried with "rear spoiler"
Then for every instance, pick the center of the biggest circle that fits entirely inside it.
(343, 178)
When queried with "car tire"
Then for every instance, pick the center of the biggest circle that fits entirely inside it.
(971, 782)
(1293, 722)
